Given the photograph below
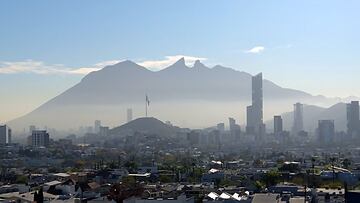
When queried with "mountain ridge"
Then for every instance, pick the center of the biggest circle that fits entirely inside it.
(105, 94)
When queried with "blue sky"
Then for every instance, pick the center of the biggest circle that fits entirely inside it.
(46, 46)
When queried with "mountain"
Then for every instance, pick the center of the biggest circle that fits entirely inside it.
(195, 96)
(148, 125)
(312, 114)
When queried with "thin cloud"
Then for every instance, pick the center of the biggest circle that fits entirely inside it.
(39, 67)
(256, 50)
(169, 60)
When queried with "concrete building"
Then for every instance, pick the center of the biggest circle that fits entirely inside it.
(234, 128)
(9, 141)
(129, 115)
(232, 124)
(255, 111)
(104, 131)
(5, 134)
(157, 199)
(39, 138)
(32, 128)
(326, 130)
(278, 125)
(97, 125)
(298, 124)
(353, 122)
(220, 127)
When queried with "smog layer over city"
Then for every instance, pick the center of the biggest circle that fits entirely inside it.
(138, 101)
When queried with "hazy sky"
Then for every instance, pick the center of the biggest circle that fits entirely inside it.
(47, 46)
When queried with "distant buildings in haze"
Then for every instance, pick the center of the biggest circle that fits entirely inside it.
(234, 128)
(278, 125)
(326, 131)
(129, 115)
(32, 128)
(220, 127)
(97, 125)
(104, 131)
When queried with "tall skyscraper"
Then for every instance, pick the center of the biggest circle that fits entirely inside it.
(129, 115)
(353, 122)
(298, 118)
(5, 134)
(97, 125)
(326, 130)
(278, 125)
(39, 138)
(255, 111)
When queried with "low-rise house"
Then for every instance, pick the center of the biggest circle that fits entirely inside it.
(175, 199)
(26, 197)
(225, 197)
(213, 175)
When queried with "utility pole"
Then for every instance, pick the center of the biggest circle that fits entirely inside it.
(147, 103)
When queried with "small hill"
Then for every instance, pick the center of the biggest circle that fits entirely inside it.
(147, 125)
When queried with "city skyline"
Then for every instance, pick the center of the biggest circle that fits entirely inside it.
(139, 101)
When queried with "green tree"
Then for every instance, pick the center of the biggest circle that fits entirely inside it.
(259, 185)
(128, 180)
(271, 178)
(346, 163)
(165, 179)
(21, 179)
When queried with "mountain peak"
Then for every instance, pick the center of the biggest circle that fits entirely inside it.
(178, 65)
(126, 64)
(181, 61)
(199, 65)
